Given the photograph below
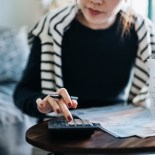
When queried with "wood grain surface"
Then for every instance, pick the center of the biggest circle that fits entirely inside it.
(99, 143)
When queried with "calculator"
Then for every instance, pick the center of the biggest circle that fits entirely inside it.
(58, 127)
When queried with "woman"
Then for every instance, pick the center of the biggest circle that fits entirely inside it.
(96, 50)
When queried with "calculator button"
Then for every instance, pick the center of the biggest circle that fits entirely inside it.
(63, 124)
(71, 123)
(78, 122)
(87, 123)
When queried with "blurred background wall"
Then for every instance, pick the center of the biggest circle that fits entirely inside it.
(15, 13)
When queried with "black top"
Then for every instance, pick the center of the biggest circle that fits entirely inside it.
(96, 67)
(97, 64)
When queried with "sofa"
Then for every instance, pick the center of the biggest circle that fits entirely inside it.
(14, 52)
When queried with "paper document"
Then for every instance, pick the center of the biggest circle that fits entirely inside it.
(151, 64)
(121, 120)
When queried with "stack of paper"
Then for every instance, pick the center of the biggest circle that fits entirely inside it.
(151, 63)
(121, 120)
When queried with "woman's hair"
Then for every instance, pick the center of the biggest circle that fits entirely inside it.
(126, 21)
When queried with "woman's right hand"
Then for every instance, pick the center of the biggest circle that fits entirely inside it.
(59, 106)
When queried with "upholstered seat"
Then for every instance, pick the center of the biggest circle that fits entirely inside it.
(14, 51)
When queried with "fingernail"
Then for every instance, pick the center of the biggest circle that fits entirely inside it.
(69, 118)
(69, 105)
(58, 111)
(41, 104)
(38, 100)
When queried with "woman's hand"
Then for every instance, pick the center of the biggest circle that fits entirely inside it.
(49, 104)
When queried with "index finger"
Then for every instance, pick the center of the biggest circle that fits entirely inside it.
(66, 97)
(65, 110)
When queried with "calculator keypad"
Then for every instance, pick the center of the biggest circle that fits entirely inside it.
(77, 128)
(60, 122)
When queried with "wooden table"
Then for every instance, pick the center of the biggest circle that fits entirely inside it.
(98, 143)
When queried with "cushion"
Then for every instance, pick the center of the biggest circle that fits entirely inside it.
(14, 51)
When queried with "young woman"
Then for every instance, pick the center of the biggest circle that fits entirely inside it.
(96, 50)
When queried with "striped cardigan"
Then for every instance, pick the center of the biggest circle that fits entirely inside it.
(50, 30)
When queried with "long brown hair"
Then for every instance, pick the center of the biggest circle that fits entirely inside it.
(126, 21)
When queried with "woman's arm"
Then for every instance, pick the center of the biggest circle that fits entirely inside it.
(28, 91)
(29, 88)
